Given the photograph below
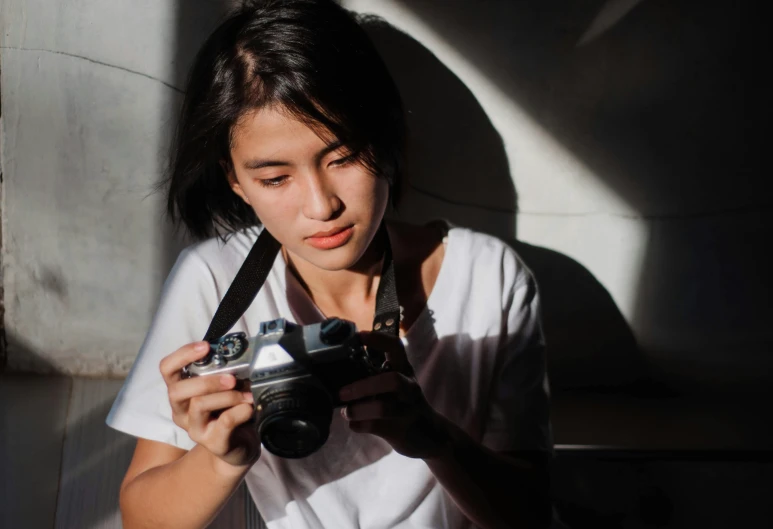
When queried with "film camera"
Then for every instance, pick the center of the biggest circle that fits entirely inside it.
(295, 373)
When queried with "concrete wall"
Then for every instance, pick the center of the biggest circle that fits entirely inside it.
(90, 91)
(619, 142)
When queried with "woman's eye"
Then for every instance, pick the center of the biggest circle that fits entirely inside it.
(342, 161)
(272, 182)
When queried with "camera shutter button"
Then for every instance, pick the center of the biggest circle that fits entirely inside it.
(218, 360)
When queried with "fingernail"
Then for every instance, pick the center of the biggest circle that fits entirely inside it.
(225, 380)
(343, 412)
(247, 396)
(201, 347)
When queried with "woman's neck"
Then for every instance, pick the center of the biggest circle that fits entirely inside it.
(340, 291)
(418, 253)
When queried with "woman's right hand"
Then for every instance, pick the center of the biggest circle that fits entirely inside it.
(194, 403)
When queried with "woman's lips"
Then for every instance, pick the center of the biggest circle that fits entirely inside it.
(328, 242)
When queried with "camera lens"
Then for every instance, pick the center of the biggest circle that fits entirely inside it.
(295, 419)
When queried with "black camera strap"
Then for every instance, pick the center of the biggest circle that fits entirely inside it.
(245, 286)
(256, 267)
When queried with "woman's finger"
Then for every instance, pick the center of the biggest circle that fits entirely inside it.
(171, 365)
(234, 417)
(194, 387)
(182, 391)
(375, 409)
(201, 408)
(375, 427)
(383, 383)
(233, 437)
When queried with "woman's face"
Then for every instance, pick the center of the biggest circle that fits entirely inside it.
(321, 206)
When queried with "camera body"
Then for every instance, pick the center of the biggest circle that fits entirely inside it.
(295, 373)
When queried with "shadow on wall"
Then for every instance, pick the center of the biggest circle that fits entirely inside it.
(195, 21)
(664, 108)
(460, 163)
(456, 165)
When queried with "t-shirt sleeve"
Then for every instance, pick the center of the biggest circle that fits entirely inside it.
(518, 410)
(186, 306)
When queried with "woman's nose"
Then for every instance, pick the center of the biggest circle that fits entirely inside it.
(321, 202)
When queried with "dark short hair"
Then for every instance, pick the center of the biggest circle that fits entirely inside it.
(313, 58)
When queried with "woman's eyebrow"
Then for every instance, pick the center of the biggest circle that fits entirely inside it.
(260, 164)
(257, 163)
(328, 149)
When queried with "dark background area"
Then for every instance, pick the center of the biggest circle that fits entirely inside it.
(667, 108)
(661, 420)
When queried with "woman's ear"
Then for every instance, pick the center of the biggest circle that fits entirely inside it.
(228, 169)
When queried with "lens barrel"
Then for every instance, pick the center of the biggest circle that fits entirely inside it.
(294, 419)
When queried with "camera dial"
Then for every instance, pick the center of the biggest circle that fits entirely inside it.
(333, 331)
(232, 345)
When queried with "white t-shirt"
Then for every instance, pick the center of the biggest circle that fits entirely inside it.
(477, 350)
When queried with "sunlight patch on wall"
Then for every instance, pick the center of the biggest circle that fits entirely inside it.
(563, 205)
(548, 177)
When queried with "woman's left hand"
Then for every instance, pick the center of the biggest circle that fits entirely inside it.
(392, 406)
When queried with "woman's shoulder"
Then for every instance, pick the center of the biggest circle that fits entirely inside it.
(431, 234)
(211, 263)
(483, 254)
(458, 255)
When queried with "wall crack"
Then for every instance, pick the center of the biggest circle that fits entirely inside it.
(94, 61)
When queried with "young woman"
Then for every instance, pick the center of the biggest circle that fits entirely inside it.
(292, 124)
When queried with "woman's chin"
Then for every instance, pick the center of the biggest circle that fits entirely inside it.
(342, 258)
(347, 256)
